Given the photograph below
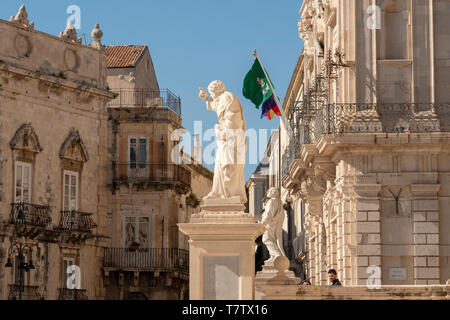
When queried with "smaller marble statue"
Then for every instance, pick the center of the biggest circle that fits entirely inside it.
(273, 219)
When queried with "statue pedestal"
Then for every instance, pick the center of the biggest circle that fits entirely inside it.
(270, 272)
(275, 274)
(222, 251)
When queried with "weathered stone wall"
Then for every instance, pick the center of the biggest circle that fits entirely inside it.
(49, 55)
(59, 88)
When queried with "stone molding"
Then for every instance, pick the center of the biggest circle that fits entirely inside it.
(22, 136)
(71, 142)
(370, 191)
(76, 86)
(229, 210)
(425, 191)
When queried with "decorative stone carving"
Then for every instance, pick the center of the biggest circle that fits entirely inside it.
(23, 45)
(26, 138)
(326, 171)
(97, 35)
(21, 18)
(71, 60)
(231, 142)
(70, 33)
(314, 186)
(273, 219)
(74, 148)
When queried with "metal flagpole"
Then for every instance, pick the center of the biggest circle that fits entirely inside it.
(280, 106)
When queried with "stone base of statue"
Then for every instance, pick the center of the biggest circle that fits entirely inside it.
(269, 271)
(222, 251)
(275, 274)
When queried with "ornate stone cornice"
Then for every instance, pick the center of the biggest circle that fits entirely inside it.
(52, 80)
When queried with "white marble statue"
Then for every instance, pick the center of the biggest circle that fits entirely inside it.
(273, 219)
(231, 143)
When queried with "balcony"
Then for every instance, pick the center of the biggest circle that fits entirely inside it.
(310, 124)
(28, 292)
(151, 173)
(146, 98)
(147, 259)
(72, 294)
(30, 215)
(76, 221)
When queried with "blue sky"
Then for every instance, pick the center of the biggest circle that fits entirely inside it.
(191, 42)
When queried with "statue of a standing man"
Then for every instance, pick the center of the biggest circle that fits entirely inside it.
(273, 218)
(231, 142)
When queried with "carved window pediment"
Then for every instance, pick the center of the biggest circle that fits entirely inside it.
(26, 139)
(74, 148)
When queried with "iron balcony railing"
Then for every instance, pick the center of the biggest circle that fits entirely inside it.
(136, 172)
(28, 292)
(310, 124)
(158, 259)
(30, 214)
(72, 294)
(147, 98)
(72, 220)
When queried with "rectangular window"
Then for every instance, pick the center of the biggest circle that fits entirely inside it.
(137, 230)
(67, 261)
(132, 153)
(137, 157)
(70, 192)
(22, 182)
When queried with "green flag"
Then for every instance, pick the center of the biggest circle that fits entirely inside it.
(256, 85)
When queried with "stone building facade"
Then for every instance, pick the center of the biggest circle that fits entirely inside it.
(53, 155)
(86, 170)
(367, 170)
(150, 192)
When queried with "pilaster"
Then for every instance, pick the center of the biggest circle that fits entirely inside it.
(426, 233)
(367, 232)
